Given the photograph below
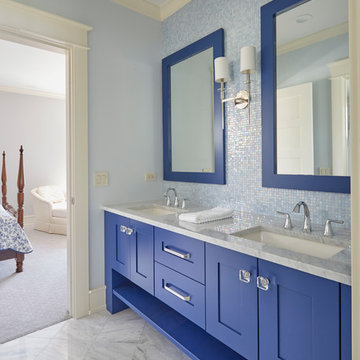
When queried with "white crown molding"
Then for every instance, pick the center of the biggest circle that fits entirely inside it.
(340, 68)
(153, 11)
(313, 38)
(142, 7)
(171, 7)
(32, 92)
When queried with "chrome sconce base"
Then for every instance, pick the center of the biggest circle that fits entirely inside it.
(242, 99)
(248, 65)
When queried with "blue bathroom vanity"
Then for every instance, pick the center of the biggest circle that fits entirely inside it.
(219, 297)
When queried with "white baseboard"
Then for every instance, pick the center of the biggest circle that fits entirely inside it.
(97, 299)
(29, 220)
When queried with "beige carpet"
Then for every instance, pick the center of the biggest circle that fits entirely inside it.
(37, 297)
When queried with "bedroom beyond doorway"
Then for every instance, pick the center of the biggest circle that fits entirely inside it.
(33, 112)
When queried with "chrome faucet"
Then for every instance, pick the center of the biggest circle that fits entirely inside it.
(168, 201)
(307, 222)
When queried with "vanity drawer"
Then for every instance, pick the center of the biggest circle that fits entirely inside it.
(181, 293)
(181, 253)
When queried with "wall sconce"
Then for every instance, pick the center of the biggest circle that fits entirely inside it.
(247, 65)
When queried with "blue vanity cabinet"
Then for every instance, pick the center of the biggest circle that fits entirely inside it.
(216, 303)
(345, 322)
(299, 315)
(181, 253)
(130, 248)
(141, 252)
(231, 303)
(181, 293)
(117, 258)
(118, 246)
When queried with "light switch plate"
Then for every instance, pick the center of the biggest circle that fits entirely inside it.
(324, 171)
(150, 176)
(101, 179)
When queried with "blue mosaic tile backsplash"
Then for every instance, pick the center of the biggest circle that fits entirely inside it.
(243, 191)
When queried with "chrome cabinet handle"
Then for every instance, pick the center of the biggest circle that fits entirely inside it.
(129, 231)
(245, 276)
(177, 253)
(123, 228)
(262, 283)
(182, 297)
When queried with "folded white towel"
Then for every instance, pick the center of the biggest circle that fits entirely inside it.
(204, 216)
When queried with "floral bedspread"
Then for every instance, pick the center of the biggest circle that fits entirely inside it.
(12, 236)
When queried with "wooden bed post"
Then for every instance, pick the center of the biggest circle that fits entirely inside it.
(3, 182)
(20, 211)
(11, 254)
(20, 185)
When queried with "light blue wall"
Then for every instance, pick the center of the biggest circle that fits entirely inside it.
(241, 21)
(124, 107)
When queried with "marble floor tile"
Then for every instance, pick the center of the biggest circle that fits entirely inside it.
(154, 346)
(101, 336)
(118, 338)
(24, 348)
(46, 333)
(70, 349)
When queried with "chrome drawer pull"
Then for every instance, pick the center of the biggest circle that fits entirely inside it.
(177, 253)
(184, 298)
(262, 283)
(129, 231)
(245, 276)
(123, 228)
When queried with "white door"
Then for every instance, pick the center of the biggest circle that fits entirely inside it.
(295, 149)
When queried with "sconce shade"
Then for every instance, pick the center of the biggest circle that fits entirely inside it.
(221, 69)
(247, 59)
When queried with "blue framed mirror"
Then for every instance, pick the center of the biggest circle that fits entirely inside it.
(305, 95)
(193, 133)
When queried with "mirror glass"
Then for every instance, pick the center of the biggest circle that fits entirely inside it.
(312, 75)
(192, 114)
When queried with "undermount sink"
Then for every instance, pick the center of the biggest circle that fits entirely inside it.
(156, 210)
(288, 242)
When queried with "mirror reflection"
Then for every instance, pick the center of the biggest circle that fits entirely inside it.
(312, 67)
(192, 114)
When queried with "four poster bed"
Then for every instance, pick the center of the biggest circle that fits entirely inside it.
(14, 243)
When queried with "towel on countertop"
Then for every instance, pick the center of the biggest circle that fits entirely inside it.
(204, 216)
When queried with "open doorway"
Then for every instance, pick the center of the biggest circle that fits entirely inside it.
(33, 113)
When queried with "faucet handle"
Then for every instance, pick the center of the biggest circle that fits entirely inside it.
(176, 201)
(184, 202)
(167, 197)
(287, 224)
(328, 228)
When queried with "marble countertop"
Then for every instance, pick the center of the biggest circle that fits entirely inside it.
(336, 268)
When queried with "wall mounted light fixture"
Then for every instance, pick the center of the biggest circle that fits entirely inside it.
(247, 65)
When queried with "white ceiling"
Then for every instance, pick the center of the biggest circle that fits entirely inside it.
(32, 69)
(156, 9)
(324, 14)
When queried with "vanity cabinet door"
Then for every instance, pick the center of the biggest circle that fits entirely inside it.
(231, 304)
(117, 252)
(142, 255)
(298, 315)
(117, 243)
(345, 322)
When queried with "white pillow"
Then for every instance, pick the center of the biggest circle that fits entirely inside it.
(51, 193)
